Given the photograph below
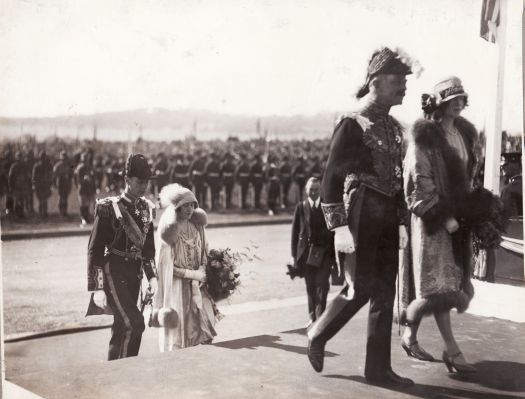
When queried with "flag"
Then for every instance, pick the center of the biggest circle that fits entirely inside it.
(489, 20)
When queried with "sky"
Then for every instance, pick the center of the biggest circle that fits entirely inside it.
(251, 57)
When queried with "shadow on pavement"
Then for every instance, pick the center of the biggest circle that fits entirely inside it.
(502, 375)
(430, 391)
(269, 341)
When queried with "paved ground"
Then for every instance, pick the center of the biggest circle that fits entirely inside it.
(260, 352)
(260, 347)
(45, 279)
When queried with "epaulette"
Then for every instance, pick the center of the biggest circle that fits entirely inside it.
(104, 206)
(363, 121)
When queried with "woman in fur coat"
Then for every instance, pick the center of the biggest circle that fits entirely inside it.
(181, 263)
(438, 173)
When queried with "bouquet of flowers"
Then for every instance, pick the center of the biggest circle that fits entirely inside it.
(222, 276)
(486, 218)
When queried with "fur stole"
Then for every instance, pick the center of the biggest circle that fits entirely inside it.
(428, 136)
(168, 224)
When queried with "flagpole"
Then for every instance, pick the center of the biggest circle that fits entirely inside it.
(495, 108)
(523, 128)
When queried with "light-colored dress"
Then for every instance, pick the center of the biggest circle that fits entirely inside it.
(183, 246)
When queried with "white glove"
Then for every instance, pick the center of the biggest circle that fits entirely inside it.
(100, 299)
(153, 285)
(343, 240)
(451, 225)
(403, 237)
(199, 275)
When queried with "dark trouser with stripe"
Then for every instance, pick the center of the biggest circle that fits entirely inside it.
(317, 286)
(122, 287)
(375, 277)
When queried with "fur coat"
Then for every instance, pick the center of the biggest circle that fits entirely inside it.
(196, 317)
(436, 266)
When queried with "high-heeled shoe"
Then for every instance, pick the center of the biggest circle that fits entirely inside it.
(459, 368)
(416, 351)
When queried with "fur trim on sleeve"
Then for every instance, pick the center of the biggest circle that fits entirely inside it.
(425, 133)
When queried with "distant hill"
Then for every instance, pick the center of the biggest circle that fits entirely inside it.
(164, 124)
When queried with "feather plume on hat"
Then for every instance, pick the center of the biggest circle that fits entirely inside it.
(176, 195)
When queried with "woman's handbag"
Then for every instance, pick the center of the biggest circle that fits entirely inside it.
(315, 255)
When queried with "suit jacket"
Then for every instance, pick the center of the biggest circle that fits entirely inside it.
(301, 233)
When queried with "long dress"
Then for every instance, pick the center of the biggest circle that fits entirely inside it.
(194, 307)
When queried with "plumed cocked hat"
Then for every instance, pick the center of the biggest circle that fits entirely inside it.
(389, 62)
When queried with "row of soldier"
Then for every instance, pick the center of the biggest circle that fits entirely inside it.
(208, 173)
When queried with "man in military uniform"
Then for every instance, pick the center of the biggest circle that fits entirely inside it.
(62, 180)
(368, 216)
(242, 175)
(85, 183)
(121, 247)
(19, 183)
(228, 178)
(257, 180)
(42, 179)
(285, 173)
(161, 170)
(299, 176)
(212, 171)
(179, 172)
(274, 189)
(198, 178)
(316, 170)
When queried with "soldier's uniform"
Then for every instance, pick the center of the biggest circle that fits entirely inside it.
(161, 170)
(180, 172)
(98, 174)
(285, 173)
(198, 179)
(212, 171)
(299, 176)
(242, 175)
(121, 248)
(272, 179)
(30, 163)
(85, 182)
(228, 179)
(62, 179)
(316, 170)
(19, 184)
(42, 180)
(257, 180)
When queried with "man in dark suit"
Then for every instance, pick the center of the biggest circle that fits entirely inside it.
(310, 234)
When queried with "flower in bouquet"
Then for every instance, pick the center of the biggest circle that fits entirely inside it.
(222, 273)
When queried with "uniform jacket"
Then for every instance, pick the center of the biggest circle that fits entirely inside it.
(109, 233)
(366, 148)
(62, 177)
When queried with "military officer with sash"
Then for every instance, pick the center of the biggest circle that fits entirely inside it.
(121, 249)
